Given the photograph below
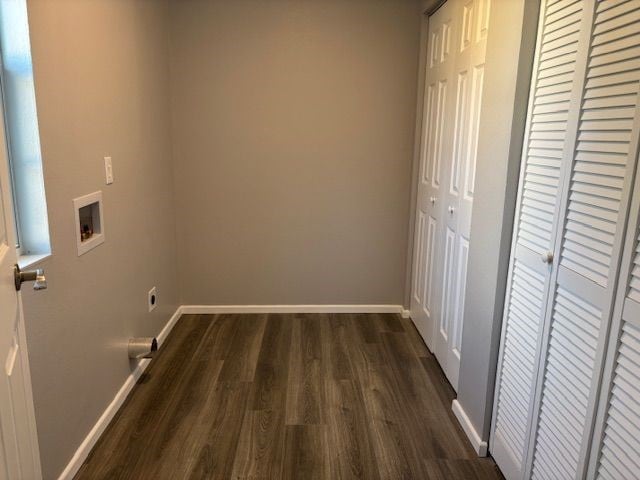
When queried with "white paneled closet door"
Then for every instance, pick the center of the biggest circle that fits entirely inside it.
(457, 194)
(453, 91)
(547, 392)
(434, 151)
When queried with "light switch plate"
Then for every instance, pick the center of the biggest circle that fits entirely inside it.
(108, 170)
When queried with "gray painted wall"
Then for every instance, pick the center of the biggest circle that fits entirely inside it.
(293, 128)
(499, 150)
(102, 89)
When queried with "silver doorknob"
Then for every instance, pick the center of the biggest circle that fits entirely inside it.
(451, 209)
(547, 257)
(433, 200)
(36, 276)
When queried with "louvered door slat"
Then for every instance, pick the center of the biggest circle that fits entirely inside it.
(617, 44)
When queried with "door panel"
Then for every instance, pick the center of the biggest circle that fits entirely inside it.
(447, 297)
(426, 291)
(567, 383)
(458, 310)
(457, 199)
(616, 444)
(574, 200)
(523, 319)
(453, 94)
(19, 455)
(597, 201)
(538, 214)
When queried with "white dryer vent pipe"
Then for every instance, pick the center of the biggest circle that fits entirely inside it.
(142, 347)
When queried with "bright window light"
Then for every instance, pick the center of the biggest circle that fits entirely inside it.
(21, 125)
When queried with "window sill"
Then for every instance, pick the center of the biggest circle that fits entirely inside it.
(25, 261)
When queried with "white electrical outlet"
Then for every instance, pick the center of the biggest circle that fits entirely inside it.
(152, 299)
(108, 170)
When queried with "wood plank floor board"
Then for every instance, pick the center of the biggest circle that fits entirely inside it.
(269, 387)
(243, 348)
(477, 469)
(260, 452)
(366, 327)
(305, 454)
(218, 432)
(179, 437)
(339, 341)
(307, 366)
(291, 396)
(414, 338)
(417, 413)
(392, 443)
(388, 323)
(352, 452)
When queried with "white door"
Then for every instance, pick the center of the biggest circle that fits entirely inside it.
(457, 194)
(19, 455)
(616, 445)
(579, 160)
(435, 141)
(536, 220)
(453, 92)
(596, 201)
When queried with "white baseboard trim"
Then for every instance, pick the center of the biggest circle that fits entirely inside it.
(479, 446)
(405, 313)
(98, 429)
(211, 309)
(166, 330)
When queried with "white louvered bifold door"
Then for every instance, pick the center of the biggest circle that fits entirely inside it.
(616, 447)
(547, 391)
(537, 216)
(615, 454)
(596, 204)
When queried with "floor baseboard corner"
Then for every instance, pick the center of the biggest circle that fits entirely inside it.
(405, 313)
(100, 426)
(480, 446)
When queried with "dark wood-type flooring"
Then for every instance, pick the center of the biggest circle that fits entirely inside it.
(296, 396)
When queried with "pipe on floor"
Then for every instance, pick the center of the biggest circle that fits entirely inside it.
(142, 347)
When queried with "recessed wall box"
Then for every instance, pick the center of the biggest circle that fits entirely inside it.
(89, 222)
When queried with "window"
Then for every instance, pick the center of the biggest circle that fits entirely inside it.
(21, 125)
